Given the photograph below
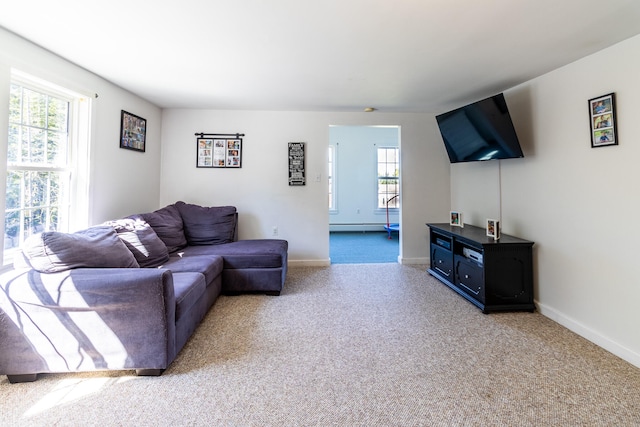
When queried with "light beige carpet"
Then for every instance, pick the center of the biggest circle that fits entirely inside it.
(352, 345)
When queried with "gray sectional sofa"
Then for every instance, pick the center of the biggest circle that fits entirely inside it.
(128, 294)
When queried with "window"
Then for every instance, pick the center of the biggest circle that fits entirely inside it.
(330, 175)
(388, 174)
(42, 180)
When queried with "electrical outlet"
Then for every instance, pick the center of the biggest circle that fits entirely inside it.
(274, 230)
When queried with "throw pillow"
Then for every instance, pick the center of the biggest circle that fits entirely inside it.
(167, 223)
(208, 225)
(96, 247)
(142, 241)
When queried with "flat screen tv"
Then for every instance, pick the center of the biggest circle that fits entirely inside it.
(480, 131)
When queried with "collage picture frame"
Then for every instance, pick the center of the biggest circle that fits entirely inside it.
(602, 119)
(219, 152)
(133, 132)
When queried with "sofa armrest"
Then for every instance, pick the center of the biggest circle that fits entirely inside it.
(86, 319)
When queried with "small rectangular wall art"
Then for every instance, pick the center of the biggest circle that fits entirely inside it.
(296, 164)
(602, 118)
(133, 132)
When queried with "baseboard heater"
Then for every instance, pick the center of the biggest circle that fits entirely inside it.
(370, 226)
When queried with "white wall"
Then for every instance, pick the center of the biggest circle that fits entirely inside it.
(576, 202)
(260, 189)
(122, 182)
(355, 171)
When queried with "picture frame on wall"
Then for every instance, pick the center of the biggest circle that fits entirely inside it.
(296, 164)
(602, 119)
(218, 153)
(133, 132)
(493, 228)
(455, 219)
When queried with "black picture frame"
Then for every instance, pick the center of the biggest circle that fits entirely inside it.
(133, 132)
(602, 120)
(296, 164)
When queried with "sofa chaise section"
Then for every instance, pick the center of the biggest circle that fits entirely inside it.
(250, 266)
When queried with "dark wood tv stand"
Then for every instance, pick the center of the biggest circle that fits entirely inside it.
(495, 275)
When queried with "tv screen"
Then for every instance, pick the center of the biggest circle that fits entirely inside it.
(480, 131)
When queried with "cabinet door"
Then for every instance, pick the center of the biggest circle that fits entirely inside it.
(469, 277)
(509, 276)
(442, 262)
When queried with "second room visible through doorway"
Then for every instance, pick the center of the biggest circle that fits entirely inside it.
(364, 181)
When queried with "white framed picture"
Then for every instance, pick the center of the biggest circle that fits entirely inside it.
(493, 228)
(455, 219)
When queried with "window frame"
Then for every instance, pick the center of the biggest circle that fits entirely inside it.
(77, 149)
(380, 206)
(331, 178)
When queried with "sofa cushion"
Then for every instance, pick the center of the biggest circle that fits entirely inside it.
(207, 225)
(210, 266)
(189, 288)
(167, 223)
(96, 247)
(259, 253)
(141, 240)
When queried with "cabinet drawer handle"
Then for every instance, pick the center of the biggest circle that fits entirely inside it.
(446, 273)
(470, 290)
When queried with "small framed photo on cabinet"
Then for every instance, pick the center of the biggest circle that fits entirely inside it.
(493, 228)
(455, 219)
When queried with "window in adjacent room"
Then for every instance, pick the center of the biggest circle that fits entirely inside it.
(45, 189)
(388, 174)
(330, 177)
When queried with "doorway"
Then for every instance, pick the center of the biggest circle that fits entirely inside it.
(364, 193)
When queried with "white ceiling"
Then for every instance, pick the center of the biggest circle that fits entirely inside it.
(328, 55)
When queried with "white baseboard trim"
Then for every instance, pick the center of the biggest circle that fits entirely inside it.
(309, 262)
(589, 334)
